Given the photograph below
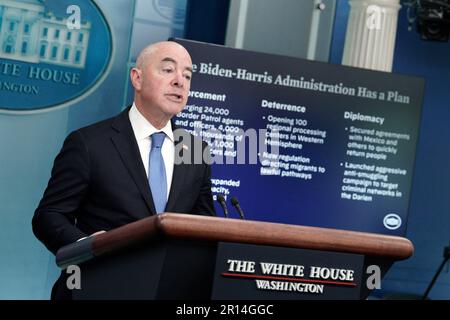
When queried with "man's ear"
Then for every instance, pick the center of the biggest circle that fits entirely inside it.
(136, 78)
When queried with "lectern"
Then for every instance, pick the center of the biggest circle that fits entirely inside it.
(181, 256)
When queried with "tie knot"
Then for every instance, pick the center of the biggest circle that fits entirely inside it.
(158, 139)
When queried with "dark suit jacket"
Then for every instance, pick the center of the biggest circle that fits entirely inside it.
(98, 182)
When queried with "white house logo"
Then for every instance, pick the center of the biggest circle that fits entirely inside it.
(392, 221)
(289, 277)
(171, 10)
(44, 61)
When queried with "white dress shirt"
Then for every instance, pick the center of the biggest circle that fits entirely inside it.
(142, 130)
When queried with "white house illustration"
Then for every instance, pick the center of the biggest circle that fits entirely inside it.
(30, 33)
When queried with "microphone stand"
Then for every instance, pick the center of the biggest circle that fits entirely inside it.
(236, 204)
(446, 257)
(221, 199)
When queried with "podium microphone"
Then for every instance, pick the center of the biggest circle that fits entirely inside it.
(223, 204)
(235, 204)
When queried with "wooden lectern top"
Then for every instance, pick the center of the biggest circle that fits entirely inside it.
(186, 226)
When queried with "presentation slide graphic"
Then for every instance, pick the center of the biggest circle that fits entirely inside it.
(303, 142)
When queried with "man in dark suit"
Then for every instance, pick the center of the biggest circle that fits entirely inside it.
(128, 167)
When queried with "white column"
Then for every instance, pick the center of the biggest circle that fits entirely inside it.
(237, 20)
(370, 37)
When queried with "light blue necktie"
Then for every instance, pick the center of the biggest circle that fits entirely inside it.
(157, 172)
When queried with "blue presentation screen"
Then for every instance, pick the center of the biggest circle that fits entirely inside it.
(334, 145)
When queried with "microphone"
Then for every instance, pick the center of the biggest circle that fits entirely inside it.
(223, 204)
(235, 204)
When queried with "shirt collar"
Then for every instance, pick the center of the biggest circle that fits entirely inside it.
(143, 128)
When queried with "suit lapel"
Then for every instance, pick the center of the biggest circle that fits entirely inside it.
(179, 172)
(126, 145)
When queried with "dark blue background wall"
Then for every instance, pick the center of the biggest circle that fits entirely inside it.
(429, 216)
(206, 21)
